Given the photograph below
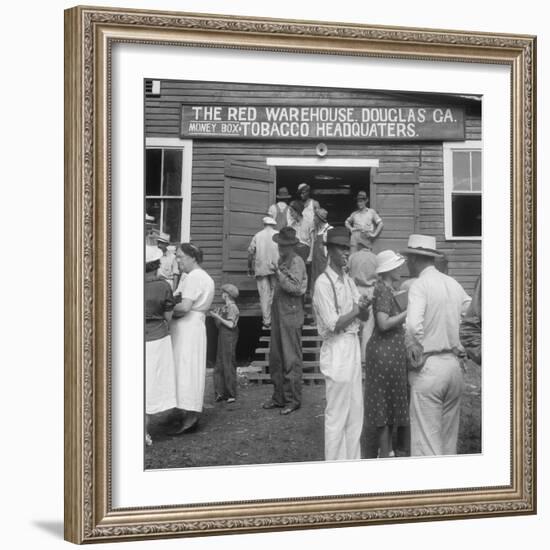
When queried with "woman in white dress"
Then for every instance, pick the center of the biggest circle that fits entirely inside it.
(188, 331)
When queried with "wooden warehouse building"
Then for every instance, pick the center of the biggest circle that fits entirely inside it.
(217, 152)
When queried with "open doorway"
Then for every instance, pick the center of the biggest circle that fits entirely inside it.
(334, 188)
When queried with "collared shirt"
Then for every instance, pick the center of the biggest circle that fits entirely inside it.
(326, 313)
(265, 251)
(292, 276)
(362, 267)
(168, 266)
(435, 307)
(364, 220)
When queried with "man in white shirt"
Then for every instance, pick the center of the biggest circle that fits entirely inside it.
(279, 210)
(263, 255)
(436, 304)
(337, 305)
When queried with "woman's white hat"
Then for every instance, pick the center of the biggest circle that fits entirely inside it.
(268, 220)
(387, 260)
(152, 254)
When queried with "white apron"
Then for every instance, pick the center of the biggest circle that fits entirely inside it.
(189, 345)
(160, 391)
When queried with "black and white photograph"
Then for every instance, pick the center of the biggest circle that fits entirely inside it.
(312, 274)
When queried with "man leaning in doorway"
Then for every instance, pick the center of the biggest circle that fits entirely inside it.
(263, 256)
(363, 219)
(338, 304)
(287, 318)
(435, 306)
(279, 210)
(362, 269)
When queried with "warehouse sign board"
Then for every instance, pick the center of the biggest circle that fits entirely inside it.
(318, 122)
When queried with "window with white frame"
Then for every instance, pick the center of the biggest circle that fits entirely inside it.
(167, 187)
(463, 189)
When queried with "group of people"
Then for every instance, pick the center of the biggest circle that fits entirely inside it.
(175, 334)
(405, 336)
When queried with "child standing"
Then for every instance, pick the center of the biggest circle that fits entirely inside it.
(226, 319)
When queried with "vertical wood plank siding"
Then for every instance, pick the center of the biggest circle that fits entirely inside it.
(162, 119)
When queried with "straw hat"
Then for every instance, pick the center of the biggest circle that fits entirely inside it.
(303, 186)
(268, 220)
(422, 245)
(164, 237)
(152, 254)
(388, 260)
(231, 289)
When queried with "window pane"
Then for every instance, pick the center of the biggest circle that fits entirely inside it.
(172, 219)
(152, 171)
(467, 215)
(476, 170)
(461, 171)
(172, 171)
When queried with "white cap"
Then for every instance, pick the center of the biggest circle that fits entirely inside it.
(268, 220)
(152, 254)
(302, 186)
(149, 218)
(164, 237)
(388, 260)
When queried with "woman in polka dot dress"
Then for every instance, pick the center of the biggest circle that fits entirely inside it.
(386, 404)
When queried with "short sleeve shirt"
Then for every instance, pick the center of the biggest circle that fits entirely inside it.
(364, 220)
(198, 287)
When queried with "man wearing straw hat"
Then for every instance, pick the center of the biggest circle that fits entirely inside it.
(435, 306)
(263, 256)
(337, 305)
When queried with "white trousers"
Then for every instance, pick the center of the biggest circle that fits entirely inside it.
(340, 363)
(266, 285)
(436, 392)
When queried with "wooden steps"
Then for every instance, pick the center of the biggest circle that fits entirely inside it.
(311, 346)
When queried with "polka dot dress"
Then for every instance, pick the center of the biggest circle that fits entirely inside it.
(386, 368)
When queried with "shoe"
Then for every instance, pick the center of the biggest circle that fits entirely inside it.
(271, 405)
(231, 400)
(218, 398)
(266, 327)
(288, 410)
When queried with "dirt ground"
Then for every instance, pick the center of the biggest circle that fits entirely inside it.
(244, 433)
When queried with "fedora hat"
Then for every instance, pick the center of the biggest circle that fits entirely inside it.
(283, 193)
(322, 214)
(152, 254)
(388, 260)
(338, 236)
(286, 237)
(422, 245)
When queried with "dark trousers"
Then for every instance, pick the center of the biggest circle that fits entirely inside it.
(225, 375)
(285, 356)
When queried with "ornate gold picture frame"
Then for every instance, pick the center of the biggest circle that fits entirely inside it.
(90, 34)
